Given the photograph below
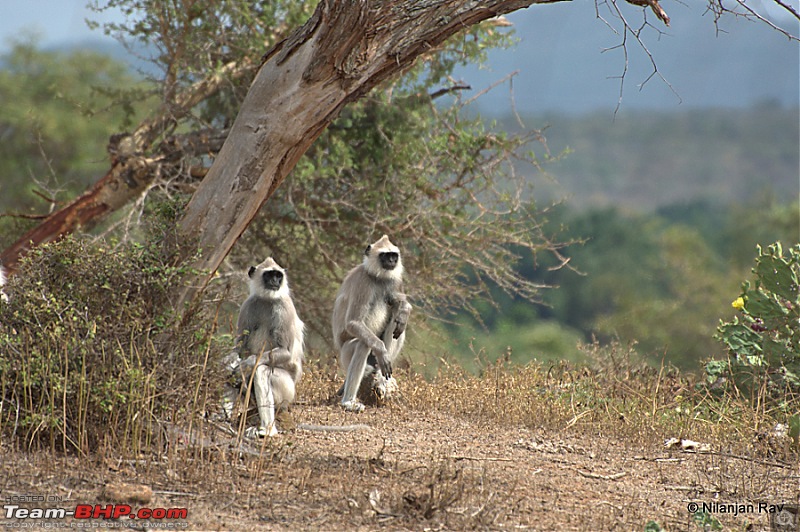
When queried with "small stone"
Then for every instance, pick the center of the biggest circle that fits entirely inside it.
(121, 492)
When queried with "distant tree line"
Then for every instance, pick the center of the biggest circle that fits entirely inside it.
(662, 280)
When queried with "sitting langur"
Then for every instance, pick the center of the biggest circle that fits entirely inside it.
(369, 321)
(269, 343)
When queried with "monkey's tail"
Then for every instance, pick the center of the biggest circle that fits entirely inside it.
(332, 428)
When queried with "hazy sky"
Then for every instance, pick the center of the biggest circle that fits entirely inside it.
(56, 21)
(561, 59)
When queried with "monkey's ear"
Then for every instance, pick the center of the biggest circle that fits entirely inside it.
(366, 251)
(251, 271)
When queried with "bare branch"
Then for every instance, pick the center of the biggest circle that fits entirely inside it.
(628, 29)
(742, 9)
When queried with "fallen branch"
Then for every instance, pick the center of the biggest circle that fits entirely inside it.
(481, 458)
(332, 428)
(615, 476)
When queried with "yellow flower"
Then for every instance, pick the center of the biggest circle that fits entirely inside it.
(738, 304)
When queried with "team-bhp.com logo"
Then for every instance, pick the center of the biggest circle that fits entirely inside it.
(96, 511)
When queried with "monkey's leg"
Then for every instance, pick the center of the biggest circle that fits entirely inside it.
(283, 388)
(370, 372)
(265, 401)
(356, 352)
(283, 391)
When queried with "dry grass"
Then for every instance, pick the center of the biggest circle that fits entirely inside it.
(541, 447)
(98, 390)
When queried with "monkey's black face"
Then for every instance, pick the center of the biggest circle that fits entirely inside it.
(272, 279)
(389, 259)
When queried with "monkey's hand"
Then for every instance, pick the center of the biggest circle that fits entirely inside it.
(277, 358)
(232, 363)
(401, 318)
(247, 365)
(399, 328)
(384, 364)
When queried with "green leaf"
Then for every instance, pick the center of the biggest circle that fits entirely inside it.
(762, 305)
(706, 521)
(778, 276)
(740, 339)
(775, 351)
(716, 369)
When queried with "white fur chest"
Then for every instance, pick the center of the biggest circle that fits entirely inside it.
(377, 317)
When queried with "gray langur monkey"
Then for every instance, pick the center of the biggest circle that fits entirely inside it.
(269, 344)
(369, 322)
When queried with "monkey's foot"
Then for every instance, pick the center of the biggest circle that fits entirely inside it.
(384, 388)
(231, 362)
(261, 432)
(353, 406)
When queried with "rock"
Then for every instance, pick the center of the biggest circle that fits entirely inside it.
(121, 492)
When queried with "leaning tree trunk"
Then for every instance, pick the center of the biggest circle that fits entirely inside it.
(345, 49)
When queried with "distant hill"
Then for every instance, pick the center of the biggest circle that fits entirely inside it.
(646, 159)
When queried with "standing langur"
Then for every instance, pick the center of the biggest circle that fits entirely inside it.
(369, 322)
(269, 343)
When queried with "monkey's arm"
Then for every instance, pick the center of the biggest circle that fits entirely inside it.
(244, 328)
(280, 357)
(241, 359)
(359, 314)
(358, 329)
(233, 361)
(242, 339)
(274, 358)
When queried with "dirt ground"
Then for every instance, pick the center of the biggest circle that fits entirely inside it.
(411, 470)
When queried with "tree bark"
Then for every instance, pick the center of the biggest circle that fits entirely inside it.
(345, 49)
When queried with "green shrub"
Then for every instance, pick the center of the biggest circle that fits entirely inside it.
(92, 352)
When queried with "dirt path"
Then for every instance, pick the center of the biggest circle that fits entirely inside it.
(422, 470)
